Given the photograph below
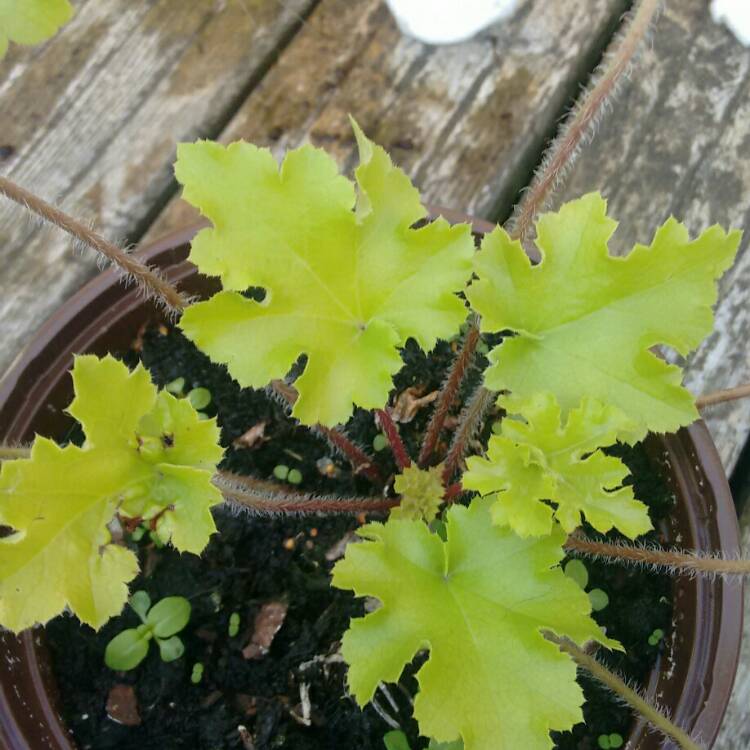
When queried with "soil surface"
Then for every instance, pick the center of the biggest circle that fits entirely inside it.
(293, 694)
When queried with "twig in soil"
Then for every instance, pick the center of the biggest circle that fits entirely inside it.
(148, 279)
(719, 397)
(676, 562)
(394, 439)
(449, 391)
(360, 461)
(469, 424)
(266, 498)
(623, 691)
(12, 452)
(581, 123)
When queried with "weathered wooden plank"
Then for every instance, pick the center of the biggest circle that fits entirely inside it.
(678, 142)
(466, 121)
(91, 119)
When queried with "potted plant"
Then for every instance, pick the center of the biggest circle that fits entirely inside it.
(491, 506)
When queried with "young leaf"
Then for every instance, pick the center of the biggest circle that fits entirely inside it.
(169, 616)
(60, 501)
(170, 649)
(344, 288)
(478, 601)
(140, 603)
(585, 321)
(542, 459)
(421, 493)
(126, 650)
(31, 21)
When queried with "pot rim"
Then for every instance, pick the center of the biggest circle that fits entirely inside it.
(711, 635)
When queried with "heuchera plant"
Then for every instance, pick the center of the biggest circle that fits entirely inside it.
(467, 566)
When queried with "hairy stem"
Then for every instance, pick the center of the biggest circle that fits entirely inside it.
(449, 391)
(394, 439)
(12, 452)
(469, 423)
(674, 561)
(618, 686)
(360, 461)
(269, 498)
(149, 279)
(719, 397)
(581, 121)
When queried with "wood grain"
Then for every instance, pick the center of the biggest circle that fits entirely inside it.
(91, 120)
(467, 121)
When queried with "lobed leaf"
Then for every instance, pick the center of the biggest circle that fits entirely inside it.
(347, 279)
(479, 602)
(543, 459)
(144, 455)
(31, 21)
(421, 493)
(586, 321)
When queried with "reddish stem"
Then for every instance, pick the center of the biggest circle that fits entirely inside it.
(470, 422)
(360, 461)
(391, 432)
(452, 491)
(447, 396)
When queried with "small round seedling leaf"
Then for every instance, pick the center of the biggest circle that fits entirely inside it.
(599, 599)
(281, 472)
(200, 398)
(140, 603)
(396, 740)
(169, 616)
(577, 570)
(176, 386)
(126, 651)
(171, 649)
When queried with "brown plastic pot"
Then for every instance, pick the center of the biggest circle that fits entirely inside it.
(693, 679)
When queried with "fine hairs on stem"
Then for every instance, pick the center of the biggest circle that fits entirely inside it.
(675, 562)
(148, 279)
(581, 123)
(263, 497)
(622, 690)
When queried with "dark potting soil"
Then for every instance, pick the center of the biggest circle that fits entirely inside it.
(294, 696)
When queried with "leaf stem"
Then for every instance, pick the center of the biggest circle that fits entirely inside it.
(675, 561)
(12, 452)
(719, 397)
(149, 279)
(618, 686)
(469, 423)
(268, 498)
(581, 122)
(448, 393)
(360, 461)
(391, 432)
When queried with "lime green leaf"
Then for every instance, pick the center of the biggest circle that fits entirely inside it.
(421, 493)
(540, 459)
(344, 287)
(126, 650)
(169, 616)
(31, 21)
(140, 603)
(396, 740)
(478, 602)
(154, 459)
(586, 320)
(170, 649)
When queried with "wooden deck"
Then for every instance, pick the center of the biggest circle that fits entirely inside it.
(91, 120)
